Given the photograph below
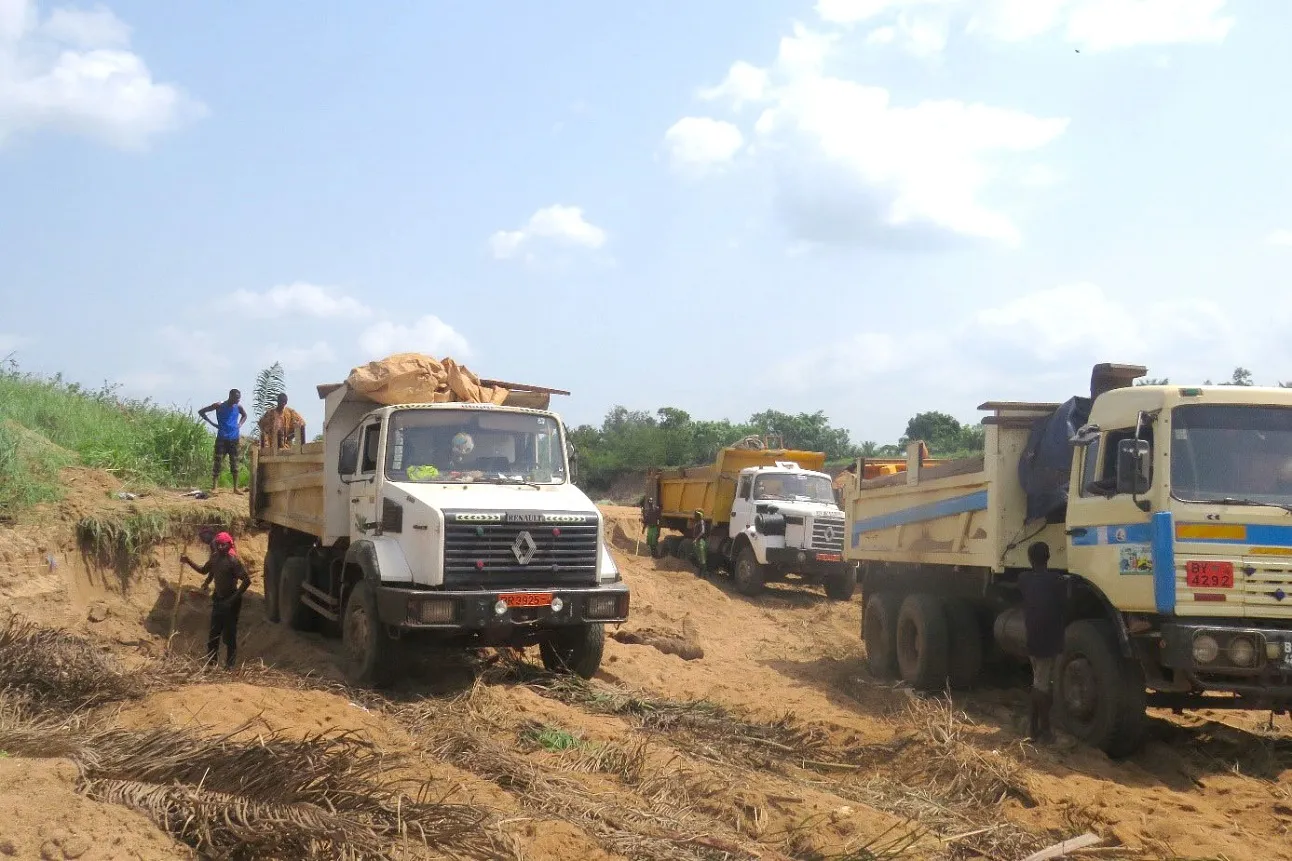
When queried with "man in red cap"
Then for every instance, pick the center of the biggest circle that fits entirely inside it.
(230, 578)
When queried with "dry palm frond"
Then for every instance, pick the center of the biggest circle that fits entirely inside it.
(59, 670)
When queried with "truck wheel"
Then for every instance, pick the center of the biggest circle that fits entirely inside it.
(923, 652)
(574, 650)
(841, 583)
(273, 584)
(294, 572)
(879, 631)
(965, 658)
(749, 574)
(370, 656)
(1099, 695)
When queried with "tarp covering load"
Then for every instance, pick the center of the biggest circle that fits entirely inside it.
(412, 378)
(1045, 468)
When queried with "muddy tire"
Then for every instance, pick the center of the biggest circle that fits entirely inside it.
(370, 657)
(749, 575)
(923, 650)
(1099, 695)
(879, 632)
(841, 583)
(964, 662)
(291, 581)
(273, 580)
(575, 650)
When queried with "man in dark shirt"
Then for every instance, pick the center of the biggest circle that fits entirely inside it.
(650, 519)
(699, 534)
(1044, 599)
(229, 576)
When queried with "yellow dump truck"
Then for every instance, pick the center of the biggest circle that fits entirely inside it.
(437, 523)
(769, 513)
(1169, 507)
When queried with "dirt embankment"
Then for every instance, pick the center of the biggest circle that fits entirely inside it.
(757, 736)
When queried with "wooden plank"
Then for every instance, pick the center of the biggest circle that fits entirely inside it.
(292, 457)
(292, 482)
(1018, 405)
(301, 522)
(947, 469)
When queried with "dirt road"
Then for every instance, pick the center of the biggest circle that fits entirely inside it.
(773, 744)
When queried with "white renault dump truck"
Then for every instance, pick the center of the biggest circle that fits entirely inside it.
(440, 522)
(1169, 506)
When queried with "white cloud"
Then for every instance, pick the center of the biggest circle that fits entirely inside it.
(697, 143)
(429, 335)
(858, 11)
(299, 299)
(1105, 25)
(557, 223)
(1282, 237)
(744, 83)
(299, 358)
(73, 72)
(198, 352)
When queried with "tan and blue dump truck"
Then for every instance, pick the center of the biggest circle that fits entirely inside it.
(1169, 506)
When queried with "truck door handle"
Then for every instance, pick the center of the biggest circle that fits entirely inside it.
(1076, 531)
(354, 499)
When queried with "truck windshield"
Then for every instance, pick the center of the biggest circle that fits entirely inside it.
(1232, 453)
(788, 486)
(465, 445)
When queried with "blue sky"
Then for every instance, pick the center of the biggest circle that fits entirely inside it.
(870, 207)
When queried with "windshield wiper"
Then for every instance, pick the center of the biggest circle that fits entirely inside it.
(1231, 500)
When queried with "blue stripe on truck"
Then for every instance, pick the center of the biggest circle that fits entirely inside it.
(1163, 531)
(942, 508)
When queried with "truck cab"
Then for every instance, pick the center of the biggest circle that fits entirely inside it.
(788, 516)
(453, 523)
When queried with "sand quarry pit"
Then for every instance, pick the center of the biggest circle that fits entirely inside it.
(766, 740)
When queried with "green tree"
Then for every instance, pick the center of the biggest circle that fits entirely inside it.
(1153, 381)
(270, 383)
(1240, 377)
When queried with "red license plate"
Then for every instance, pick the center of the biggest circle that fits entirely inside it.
(527, 599)
(1209, 575)
(828, 557)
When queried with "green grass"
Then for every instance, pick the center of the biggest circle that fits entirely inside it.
(47, 423)
(122, 541)
(551, 738)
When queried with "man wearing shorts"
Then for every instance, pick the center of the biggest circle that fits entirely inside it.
(1044, 599)
(229, 418)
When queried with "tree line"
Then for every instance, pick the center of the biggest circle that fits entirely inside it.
(630, 441)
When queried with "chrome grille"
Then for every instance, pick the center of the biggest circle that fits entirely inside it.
(487, 555)
(827, 535)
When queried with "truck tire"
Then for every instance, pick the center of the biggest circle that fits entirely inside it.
(273, 577)
(576, 650)
(370, 656)
(923, 650)
(750, 575)
(1099, 696)
(965, 658)
(879, 632)
(841, 583)
(294, 572)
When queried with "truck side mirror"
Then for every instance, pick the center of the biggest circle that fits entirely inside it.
(348, 463)
(1133, 466)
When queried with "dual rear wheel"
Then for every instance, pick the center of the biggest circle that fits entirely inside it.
(931, 643)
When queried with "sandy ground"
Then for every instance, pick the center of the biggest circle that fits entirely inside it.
(1210, 785)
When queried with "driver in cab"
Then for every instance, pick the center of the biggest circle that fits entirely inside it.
(456, 466)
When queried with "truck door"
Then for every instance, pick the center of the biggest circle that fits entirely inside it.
(1109, 539)
(742, 507)
(363, 489)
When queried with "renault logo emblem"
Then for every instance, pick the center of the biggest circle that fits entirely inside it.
(830, 535)
(524, 548)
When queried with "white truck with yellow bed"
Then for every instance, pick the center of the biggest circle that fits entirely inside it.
(1169, 506)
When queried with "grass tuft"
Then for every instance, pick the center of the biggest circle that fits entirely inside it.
(123, 541)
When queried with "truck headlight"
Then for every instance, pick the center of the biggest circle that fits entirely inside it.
(606, 606)
(1205, 649)
(607, 571)
(1242, 652)
(432, 611)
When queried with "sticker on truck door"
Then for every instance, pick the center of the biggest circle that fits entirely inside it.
(1134, 559)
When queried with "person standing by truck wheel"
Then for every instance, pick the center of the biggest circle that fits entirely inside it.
(650, 520)
(699, 533)
(230, 579)
(229, 418)
(1044, 596)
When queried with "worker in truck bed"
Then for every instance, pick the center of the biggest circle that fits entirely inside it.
(1044, 598)
(845, 482)
(698, 532)
(281, 426)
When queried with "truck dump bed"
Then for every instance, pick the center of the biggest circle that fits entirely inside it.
(968, 512)
(712, 488)
(287, 487)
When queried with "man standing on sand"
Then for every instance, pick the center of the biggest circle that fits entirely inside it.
(281, 425)
(698, 532)
(650, 520)
(229, 419)
(1044, 607)
(231, 581)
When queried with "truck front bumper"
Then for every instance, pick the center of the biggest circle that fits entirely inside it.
(798, 561)
(501, 610)
(1249, 661)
